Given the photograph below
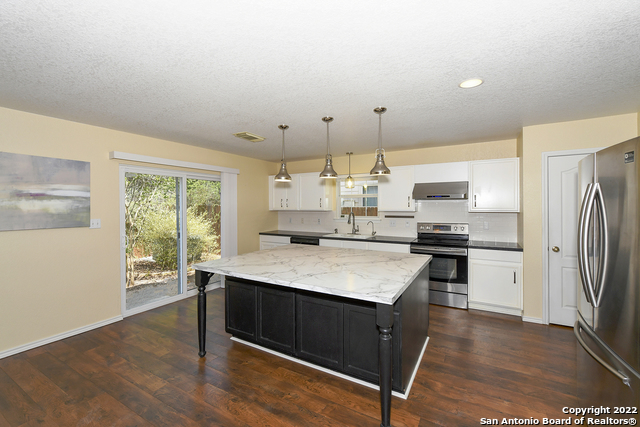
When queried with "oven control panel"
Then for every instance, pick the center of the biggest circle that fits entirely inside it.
(445, 228)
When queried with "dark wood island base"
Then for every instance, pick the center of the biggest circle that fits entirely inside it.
(375, 342)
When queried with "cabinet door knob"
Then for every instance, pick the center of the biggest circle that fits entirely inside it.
(555, 249)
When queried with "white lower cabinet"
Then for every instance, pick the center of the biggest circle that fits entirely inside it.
(268, 242)
(363, 244)
(388, 247)
(495, 281)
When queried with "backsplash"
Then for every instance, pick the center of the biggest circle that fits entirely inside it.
(498, 227)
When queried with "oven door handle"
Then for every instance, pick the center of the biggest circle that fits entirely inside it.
(438, 251)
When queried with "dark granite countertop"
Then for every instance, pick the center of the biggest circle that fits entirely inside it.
(292, 233)
(376, 238)
(473, 244)
(498, 246)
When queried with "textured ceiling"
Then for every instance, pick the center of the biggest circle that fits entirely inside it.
(198, 71)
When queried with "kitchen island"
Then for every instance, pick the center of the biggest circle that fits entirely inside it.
(333, 307)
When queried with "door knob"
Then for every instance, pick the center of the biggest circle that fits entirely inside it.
(555, 249)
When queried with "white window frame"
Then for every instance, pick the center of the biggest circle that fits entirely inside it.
(228, 212)
(339, 197)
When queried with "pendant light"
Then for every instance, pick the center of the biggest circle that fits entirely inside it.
(328, 171)
(283, 175)
(349, 182)
(380, 168)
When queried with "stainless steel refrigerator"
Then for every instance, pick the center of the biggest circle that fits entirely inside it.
(608, 325)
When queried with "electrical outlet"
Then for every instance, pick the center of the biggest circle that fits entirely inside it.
(289, 220)
(301, 220)
(94, 223)
(318, 221)
(406, 224)
(486, 225)
(392, 223)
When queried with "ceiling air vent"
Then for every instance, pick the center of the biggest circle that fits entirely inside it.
(249, 136)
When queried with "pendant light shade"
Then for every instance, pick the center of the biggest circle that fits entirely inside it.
(380, 168)
(349, 182)
(283, 175)
(328, 171)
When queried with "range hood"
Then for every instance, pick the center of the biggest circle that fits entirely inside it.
(441, 190)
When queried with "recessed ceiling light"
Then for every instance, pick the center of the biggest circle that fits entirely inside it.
(249, 136)
(468, 84)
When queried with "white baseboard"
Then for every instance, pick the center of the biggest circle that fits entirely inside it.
(532, 320)
(495, 308)
(58, 337)
(338, 374)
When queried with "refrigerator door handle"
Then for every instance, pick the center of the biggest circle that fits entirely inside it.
(604, 244)
(577, 327)
(586, 212)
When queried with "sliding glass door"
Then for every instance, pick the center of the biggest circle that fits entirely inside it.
(203, 224)
(170, 220)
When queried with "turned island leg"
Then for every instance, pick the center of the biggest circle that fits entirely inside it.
(202, 279)
(384, 320)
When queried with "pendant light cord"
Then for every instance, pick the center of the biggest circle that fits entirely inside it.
(328, 143)
(283, 145)
(379, 133)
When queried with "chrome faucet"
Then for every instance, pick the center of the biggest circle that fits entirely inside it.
(354, 229)
(373, 230)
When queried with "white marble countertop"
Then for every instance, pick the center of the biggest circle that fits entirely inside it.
(366, 275)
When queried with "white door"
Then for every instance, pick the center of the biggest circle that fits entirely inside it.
(563, 205)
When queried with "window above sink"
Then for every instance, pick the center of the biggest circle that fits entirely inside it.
(362, 198)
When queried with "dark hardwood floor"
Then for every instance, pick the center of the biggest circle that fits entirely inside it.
(145, 371)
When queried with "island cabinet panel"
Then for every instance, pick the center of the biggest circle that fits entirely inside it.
(240, 310)
(276, 319)
(334, 332)
(361, 344)
(320, 331)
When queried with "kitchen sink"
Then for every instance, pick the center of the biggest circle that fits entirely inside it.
(349, 236)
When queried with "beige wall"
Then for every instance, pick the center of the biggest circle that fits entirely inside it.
(592, 133)
(363, 162)
(57, 280)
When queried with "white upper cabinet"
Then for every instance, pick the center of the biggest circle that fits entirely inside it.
(284, 195)
(395, 190)
(442, 172)
(494, 185)
(316, 194)
(305, 192)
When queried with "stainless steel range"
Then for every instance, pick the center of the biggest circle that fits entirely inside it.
(447, 243)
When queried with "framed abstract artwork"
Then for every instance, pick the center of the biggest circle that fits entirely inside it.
(43, 192)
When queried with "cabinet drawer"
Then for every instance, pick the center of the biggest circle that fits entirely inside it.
(388, 247)
(492, 255)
